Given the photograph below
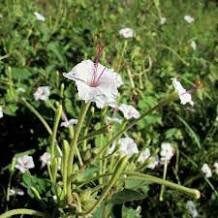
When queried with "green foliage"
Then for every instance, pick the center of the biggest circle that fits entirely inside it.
(35, 186)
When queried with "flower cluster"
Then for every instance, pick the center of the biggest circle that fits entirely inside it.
(207, 171)
(25, 163)
(68, 123)
(167, 152)
(39, 16)
(42, 93)
(127, 32)
(191, 207)
(184, 95)
(189, 19)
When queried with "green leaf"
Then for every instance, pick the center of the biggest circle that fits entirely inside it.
(20, 73)
(137, 185)
(130, 213)
(40, 185)
(87, 174)
(127, 195)
(191, 132)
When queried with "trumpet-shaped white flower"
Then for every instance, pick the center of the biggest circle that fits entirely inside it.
(167, 152)
(39, 16)
(184, 96)
(193, 45)
(144, 155)
(68, 123)
(189, 19)
(95, 83)
(163, 20)
(206, 170)
(127, 32)
(190, 205)
(24, 163)
(129, 111)
(153, 162)
(45, 159)
(1, 112)
(128, 146)
(215, 165)
(42, 93)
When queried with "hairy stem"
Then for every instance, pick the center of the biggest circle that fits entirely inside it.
(38, 115)
(73, 145)
(152, 179)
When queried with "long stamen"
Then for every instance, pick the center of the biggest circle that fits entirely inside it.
(101, 74)
(94, 73)
(99, 51)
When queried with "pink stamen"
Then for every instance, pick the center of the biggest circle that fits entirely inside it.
(95, 81)
(94, 72)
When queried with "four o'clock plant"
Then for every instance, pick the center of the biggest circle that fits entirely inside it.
(97, 159)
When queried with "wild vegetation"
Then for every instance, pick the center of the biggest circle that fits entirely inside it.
(108, 108)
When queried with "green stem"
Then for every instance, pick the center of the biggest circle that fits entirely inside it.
(74, 144)
(38, 115)
(176, 54)
(121, 56)
(66, 149)
(117, 172)
(53, 166)
(152, 179)
(55, 128)
(23, 211)
(164, 177)
(71, 132)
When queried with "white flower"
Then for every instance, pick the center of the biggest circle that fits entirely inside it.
(68, 123)
(184, 96)
(129, 111)
(24, 163)
(153, 162)
(127, 146)
(42, 93)
(215, 165)
(39, 16)
(206, 170)
(193, 45)
(95, 83)
(127, 32)
(1, 112)
(45, 159)
(192, 209)
(163, 20)
(167, 152)
(144, 155)
(16, 191)
(189, 19)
